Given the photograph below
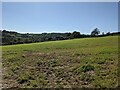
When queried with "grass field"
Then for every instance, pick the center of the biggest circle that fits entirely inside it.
(77, 63)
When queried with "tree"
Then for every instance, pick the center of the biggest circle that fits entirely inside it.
(103, 33)
(108, 33)
(75, 34)
(95, 32)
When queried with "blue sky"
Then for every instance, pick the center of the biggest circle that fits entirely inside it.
(39, 17)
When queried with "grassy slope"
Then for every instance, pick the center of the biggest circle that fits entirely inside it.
(88, 62)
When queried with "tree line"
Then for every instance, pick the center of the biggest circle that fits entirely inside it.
(11, 37)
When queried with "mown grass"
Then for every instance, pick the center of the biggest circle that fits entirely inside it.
(77, 63)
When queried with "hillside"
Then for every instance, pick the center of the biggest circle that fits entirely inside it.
(12, 37)
(76, 63)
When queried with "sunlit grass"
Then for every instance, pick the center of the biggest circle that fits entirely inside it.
(87, 62)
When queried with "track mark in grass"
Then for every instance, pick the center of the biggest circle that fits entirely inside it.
(51, 55)
(80, 54)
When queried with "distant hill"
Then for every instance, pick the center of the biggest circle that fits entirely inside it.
(11, 37)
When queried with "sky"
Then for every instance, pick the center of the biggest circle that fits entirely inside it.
(40, 17)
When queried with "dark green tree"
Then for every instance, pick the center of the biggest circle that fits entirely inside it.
(75, 34)
(95, 32)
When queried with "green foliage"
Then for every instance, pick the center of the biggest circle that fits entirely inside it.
(95, 32)
(87, 67)
(10, 37)
(75, 34)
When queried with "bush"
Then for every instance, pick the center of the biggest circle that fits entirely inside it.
(87, 67)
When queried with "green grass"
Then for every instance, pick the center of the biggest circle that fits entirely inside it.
(78, 63)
